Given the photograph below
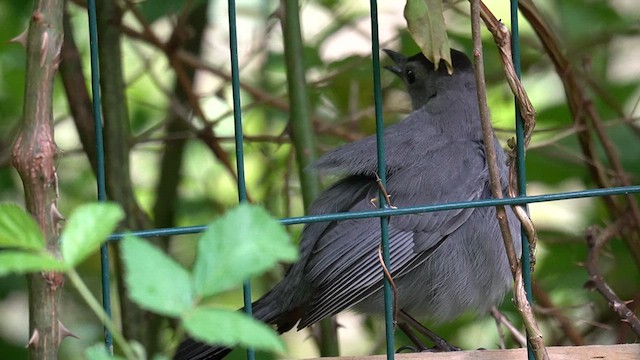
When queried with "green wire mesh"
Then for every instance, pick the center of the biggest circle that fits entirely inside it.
(384, 212)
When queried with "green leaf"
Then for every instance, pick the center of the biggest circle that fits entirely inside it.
(425, 23)
(18, 229)
(87, 228)
(99, 352)
(231, 328)
(245, 241)
(154, 280)
(20, 262)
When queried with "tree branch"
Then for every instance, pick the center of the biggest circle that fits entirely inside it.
(34, 154)
(596, 239)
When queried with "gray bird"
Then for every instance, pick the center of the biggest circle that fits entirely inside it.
(443, 263)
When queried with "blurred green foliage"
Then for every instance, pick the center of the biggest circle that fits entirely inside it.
(598, 39)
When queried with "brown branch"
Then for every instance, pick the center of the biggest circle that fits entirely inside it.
(596, 239)
(171, 50)
(502, 37)
(78, 98)
(33, 156)
(533, 331)
(135, 321)
(566, 324)
(488, 137)
(276, 101)
(174, 146)
(394, 288)
(585, 115)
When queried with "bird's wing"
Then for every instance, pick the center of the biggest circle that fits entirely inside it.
(406, 144)
(343, 265)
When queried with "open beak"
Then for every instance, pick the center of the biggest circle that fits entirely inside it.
(398, 59)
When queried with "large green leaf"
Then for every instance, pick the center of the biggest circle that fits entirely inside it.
(20, 262)
(18, 229)
(231, 328)
(245, 241)
(154, 280)
(87, 228)
(426, 24)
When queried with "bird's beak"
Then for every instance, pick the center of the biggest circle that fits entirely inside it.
(398, 59)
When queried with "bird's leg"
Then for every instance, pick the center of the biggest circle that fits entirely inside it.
(440, 343)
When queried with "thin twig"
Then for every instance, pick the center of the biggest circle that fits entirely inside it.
(501, 319)
(596, 239)
(566, 324)
(502, 38)
(533, 331)
(585, 115)
(487, 136)
(384, 192)
(387, 274)
(385, 269)
(207, 135)
(501, 341)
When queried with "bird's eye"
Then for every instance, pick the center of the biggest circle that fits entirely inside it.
(410, 75)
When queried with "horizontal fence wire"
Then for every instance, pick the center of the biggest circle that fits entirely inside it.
(519, 200)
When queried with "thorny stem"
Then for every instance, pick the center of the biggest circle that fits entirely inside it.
(34, 157)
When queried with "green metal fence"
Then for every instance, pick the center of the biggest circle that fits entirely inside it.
(384, 211)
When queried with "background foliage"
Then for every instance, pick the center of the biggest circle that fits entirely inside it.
(600, 39)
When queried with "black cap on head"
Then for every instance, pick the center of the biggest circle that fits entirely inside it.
(459, 60)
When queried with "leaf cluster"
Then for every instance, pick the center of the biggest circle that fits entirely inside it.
(244, 242)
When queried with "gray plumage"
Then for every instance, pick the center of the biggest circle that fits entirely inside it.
(443, 263)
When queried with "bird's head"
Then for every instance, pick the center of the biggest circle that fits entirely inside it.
(423, 81)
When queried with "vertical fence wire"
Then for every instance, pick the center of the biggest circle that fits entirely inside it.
(382, 203)
(237, 123)
(520, 161)
(100, 166)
